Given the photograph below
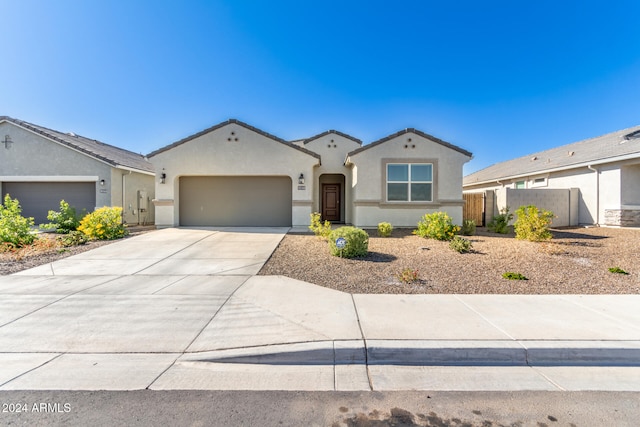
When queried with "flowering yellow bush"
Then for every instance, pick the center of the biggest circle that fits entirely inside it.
(104, 224)
(437, 225)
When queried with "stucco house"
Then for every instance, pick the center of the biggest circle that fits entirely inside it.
(603, 174)
(41, 166)
(233, 174)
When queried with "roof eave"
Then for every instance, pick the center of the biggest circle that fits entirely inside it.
(558, 169)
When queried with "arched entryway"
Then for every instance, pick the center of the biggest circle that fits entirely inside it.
(331, 197)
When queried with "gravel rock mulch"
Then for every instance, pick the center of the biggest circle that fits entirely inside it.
(575, 261)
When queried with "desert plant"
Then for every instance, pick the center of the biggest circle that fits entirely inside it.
(500, 223)
(461, 245)
(65, 220)
(617, 270)
(408, 275)
(533, 224)
(468, 227)
(513, 276)
(319, 228)
(357, 242)
(14, 228)
(104, 224)
(385, 229)
(437, 225)
(73, 238)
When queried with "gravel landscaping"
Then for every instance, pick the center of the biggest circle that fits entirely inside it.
(575, 261)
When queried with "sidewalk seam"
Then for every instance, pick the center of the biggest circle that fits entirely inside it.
(32, 369)
(176, 252)
(364, 342)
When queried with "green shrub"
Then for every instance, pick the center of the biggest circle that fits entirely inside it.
(461, 245)
(408, 275)
(437, 225)
(617, 270)
(14, 228)
(500, 223)
(104, 224)
(468, 227)
(385, 229)
(73, 238)
(319, 228)
(533, 224)
(64, 221)
(513, 276)
(357, 242)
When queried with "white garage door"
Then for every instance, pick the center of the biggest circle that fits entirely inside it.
(38, 198)
(246, 201)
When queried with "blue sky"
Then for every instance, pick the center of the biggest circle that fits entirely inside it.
(498, 78)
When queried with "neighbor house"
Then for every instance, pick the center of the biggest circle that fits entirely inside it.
(41, 166)
(233, 174)
(600, 178)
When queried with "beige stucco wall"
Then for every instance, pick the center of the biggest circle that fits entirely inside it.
(227, 151)
(133, 183)
(369, 184)
(333, 149)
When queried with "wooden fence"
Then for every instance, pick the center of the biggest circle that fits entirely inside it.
(474, 208)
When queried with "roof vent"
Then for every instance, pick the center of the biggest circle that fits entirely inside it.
(570, 153)
(71, 134)
(632, 135)
(534, 158)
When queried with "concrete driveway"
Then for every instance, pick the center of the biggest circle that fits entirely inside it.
(184, 309)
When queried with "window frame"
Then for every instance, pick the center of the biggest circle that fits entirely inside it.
(409, 181)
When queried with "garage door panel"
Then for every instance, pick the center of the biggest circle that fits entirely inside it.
(38, 198)
(235, 201)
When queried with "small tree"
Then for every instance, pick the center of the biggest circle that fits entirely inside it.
(319, 228)
(64, 221)
(500, 223)
(533, 224)
(14, 228)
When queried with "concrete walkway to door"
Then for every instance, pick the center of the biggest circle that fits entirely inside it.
(184, 309)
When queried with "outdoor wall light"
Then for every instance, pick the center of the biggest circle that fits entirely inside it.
(163, 177)
(301, 179)
(7, 141)
(102, 182)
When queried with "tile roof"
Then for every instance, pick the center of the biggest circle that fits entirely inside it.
(110, 154)
(414, 131)
(344, 135)
(238, 122)
(601, 149)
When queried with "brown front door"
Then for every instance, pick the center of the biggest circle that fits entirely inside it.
(331, 202)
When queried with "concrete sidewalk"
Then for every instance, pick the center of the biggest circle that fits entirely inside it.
(183, 309)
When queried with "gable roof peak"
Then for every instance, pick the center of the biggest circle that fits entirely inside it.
(335, 132)
(416, 132)
(226, 123)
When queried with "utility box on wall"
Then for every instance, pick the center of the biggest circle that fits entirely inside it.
(143, 201)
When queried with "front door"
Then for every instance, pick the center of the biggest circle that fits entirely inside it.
(331, 202)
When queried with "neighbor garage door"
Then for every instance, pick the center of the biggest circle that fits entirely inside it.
(38, 198)
(235, 201)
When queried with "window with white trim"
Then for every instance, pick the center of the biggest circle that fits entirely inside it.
(409, 182)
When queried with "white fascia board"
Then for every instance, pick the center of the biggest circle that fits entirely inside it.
(125, 168)
(49, 178)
